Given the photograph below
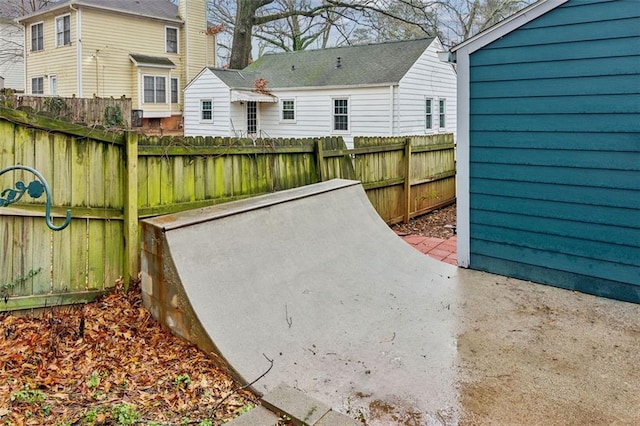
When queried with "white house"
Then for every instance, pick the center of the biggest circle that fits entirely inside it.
(388, 89)
(11, 48)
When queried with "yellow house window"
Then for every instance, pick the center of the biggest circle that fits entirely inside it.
(63, 30)
(155, 90)
(37, 37)
(171, 39)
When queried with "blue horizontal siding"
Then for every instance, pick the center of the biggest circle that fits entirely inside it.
(574, 12)
(558, 278)
(554, 131)
(547, 245)
(592, 67)
(588, 49)
(597, 178)
(582, 104)
(575, 140)
(578, 194)
(544, 157)
(571, 228)
(623, 25)
(604, 123)
(602, 85)
(556, 260)
(526, 207)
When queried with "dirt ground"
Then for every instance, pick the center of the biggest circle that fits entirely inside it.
(438, 224)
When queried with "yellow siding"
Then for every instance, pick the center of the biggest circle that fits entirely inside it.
(107, 40)
(194, 39)
(58, 61)
(116, 75)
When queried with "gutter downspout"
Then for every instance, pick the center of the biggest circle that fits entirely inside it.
(79, 50)
(24, 55)
(391, 110)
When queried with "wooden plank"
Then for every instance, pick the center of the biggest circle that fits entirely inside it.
(166, 151)
(58, 299)
(320, 159)
(65, 127)
(407, 181)
(114, 262)
(131, 236)
(42, 258)
(96, 255)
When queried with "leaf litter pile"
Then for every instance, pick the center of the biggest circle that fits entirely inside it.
(109, 363)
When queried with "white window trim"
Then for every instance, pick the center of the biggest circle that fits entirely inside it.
(431, 114)
(177, 39)
(52, 78)
(31, 36)
(333, 113)
(34, 78)
(177, 90)
(202, 120)
(167, 94)
(295, 112)
(442, 126)
(56, 29)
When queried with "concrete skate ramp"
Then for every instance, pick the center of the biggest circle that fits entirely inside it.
(314, 280)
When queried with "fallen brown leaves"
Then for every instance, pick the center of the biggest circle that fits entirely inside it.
(438, 224)
(108, 362)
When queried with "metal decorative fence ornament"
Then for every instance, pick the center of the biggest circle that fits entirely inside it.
(34, 189)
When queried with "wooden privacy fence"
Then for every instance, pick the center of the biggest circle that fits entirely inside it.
(108, 112)
(109, 180)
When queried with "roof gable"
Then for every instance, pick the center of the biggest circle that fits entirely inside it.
(154, 9)
(511, 23)
(371, 64)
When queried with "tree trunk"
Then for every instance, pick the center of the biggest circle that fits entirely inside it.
(241, 47)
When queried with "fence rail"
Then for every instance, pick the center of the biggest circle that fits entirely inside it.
(110, 180)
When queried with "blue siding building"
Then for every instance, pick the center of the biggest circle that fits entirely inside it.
(549, 147)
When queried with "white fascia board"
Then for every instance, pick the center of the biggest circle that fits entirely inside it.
(204, 70)
(508, 25)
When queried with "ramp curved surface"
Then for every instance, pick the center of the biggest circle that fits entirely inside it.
(314, 280)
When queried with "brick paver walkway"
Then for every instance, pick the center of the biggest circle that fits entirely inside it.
(437, 248)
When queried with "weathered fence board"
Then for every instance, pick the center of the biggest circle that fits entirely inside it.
(90, 111)
(109, 180)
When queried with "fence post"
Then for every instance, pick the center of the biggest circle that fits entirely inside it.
(131, 237)
(407, 180)
(320, 158)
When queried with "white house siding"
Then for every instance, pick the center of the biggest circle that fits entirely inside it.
(369, 113)
(428, 78)
(12, 70)
(207, 86)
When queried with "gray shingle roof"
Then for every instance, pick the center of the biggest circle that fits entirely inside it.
(160, 9)
(142, 60)
(359, 65)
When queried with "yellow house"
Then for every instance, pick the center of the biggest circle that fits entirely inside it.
(146, 50)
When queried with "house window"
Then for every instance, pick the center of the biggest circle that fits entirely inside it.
(428, 114)
(53, 85)
(288, 110)
(37, 37)
(174, 90)
(252, 117)
(155, 91)
(172, 39)
(37, 86)
(341, 114)
(206, 110)
(63, 30)
(442, 113)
